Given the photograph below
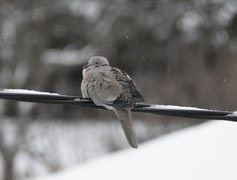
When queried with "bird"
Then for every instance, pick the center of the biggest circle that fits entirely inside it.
(113, 89)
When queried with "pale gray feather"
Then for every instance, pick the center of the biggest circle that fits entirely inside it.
(124, 116)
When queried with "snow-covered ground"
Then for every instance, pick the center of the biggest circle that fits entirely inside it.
(206, 152)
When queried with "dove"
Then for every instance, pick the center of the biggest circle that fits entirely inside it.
(113, 89)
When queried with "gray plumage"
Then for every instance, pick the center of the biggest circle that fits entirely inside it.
(112, 88)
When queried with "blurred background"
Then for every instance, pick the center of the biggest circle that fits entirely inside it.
(179, 52)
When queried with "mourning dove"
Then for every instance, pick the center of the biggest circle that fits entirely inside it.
(113, 89)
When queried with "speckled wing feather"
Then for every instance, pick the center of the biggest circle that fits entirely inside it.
(130, 94)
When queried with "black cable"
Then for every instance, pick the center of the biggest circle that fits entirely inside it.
(177, 111)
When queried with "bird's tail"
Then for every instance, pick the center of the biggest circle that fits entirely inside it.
(125, 118)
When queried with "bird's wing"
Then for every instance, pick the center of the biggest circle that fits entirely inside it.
(129, 94)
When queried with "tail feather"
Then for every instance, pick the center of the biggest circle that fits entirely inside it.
(124, 116)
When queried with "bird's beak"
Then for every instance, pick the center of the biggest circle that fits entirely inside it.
(86, 66)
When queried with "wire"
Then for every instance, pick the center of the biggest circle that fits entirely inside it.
(167, 110)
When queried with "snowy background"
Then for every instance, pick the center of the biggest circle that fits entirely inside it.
(179, 52)
(205, 152)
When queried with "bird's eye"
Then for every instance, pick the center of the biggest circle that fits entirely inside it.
(97, 63)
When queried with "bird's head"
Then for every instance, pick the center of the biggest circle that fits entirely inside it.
(95, 62)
